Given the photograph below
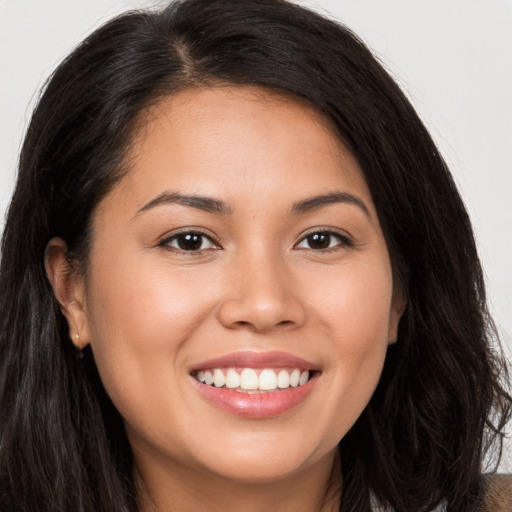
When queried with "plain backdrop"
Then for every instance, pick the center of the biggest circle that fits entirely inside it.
(451, 57)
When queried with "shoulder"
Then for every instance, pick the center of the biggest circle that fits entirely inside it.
(498, 493)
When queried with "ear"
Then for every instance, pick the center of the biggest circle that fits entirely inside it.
(69, 289)
(398, 305)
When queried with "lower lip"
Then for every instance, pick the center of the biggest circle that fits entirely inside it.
(257, 405)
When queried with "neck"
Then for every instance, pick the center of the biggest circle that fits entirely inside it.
(317, 488)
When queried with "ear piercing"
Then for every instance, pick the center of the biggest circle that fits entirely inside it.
(76, 339)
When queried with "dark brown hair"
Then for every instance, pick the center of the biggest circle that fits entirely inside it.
(440, 403)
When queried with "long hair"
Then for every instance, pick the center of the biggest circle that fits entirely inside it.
(441, 401)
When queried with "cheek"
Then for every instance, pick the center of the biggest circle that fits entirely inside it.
(352, 314)
(138, 301)
(354, 303)
(138, 323)
(362, 334)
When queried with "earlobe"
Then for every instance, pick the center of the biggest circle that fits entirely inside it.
(68, 288)
(398, 305)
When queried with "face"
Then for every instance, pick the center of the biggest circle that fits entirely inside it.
(241, 253)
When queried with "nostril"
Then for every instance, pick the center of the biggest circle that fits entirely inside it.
(242, 323)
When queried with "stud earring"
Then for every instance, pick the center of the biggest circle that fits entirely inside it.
(79, 353)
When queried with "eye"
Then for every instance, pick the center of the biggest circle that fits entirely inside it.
(189, 241)
(322, 240)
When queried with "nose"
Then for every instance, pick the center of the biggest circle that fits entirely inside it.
(261, 295)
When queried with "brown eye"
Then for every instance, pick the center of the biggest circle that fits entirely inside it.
(321, 240)
(189, 242)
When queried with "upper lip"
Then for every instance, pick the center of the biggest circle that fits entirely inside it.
(248, 359)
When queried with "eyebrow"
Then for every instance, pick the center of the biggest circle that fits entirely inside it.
(317, 202)
(211, 205)
(206, 204)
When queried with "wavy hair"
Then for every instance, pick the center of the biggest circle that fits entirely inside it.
(441, 402)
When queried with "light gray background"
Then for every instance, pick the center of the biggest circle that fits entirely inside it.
(452, 58)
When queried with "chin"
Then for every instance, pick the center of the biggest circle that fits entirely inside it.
(264, 458)
(258, 470)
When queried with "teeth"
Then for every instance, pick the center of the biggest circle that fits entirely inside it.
(294, 378)
(249, 380)
(218, 378)
(283, 379)
(268, 380)
(304, 377)
(232, 379)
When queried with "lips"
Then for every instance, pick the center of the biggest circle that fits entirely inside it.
(254, 384)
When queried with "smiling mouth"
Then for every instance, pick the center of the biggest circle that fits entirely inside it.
(256, 385)
(253, 380)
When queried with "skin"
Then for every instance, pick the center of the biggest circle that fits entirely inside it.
(150, 310)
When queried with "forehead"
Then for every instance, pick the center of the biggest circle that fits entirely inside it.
(238, 141)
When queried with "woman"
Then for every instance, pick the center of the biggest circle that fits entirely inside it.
(236, 274)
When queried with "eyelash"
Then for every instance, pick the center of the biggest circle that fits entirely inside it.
(166, 243)
(343, 240)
